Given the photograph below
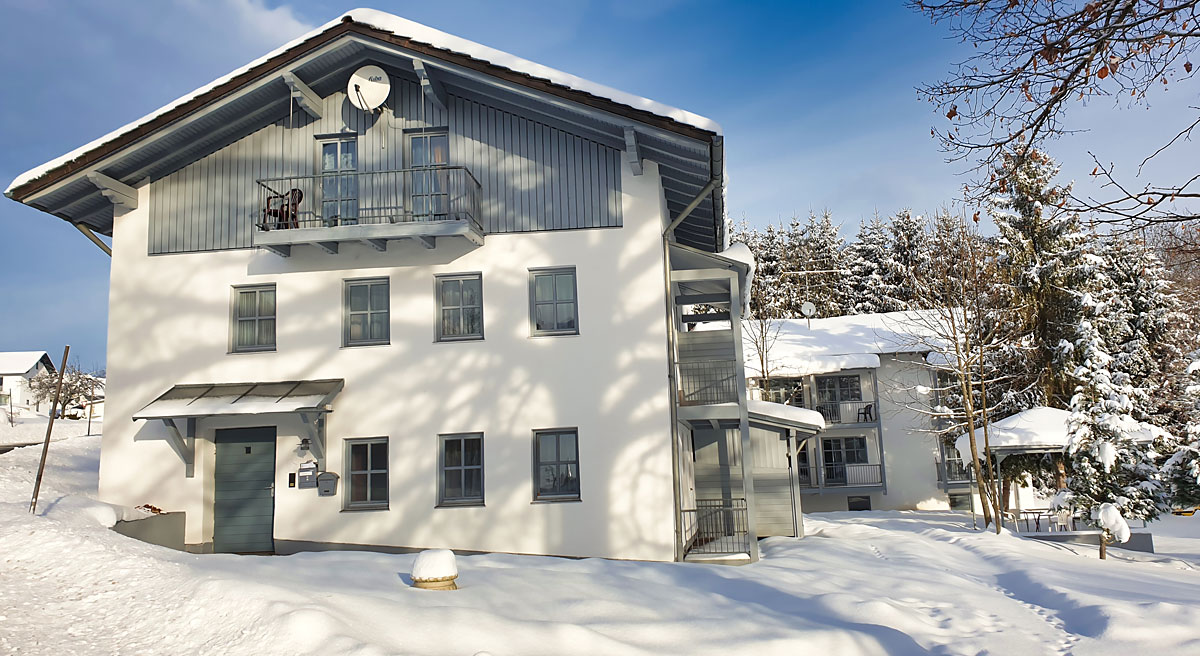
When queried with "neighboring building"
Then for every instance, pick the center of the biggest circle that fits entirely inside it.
(17, 368)
(866, 375)
(453, 321)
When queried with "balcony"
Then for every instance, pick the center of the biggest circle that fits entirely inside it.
(848, 412)
(374, 207)
(708, 382)
(839, 475)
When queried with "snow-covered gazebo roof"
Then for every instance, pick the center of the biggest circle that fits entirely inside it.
(1036, 430)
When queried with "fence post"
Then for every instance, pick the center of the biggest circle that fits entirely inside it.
(37, 483)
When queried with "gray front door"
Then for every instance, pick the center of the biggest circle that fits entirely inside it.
(244, 494)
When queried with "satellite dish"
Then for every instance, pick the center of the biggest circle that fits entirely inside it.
(368, 88)
(808, 309)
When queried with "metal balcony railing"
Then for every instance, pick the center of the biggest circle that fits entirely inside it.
(717, 526)
(344, 198)
(708, 382)
(849, 412)
(954, 470)
(835, 475)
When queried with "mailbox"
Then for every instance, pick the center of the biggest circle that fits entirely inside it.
(307, 476)
(327, 484)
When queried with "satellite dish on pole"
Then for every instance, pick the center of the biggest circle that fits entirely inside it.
(368, 88)
(808, 309)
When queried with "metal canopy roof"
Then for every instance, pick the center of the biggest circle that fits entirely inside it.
(688, 157)
(227, 399)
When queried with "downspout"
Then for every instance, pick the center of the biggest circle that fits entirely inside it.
(672, 379)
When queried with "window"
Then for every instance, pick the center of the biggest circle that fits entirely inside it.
(840, 454)
(788, 391)
(460, 307)
(553, 303)
(556, 465)
(858, 503)
(367, 469)
(366, 312)
(960, 502)
(428, 154)
(832, 389)
(254, 318)
(460, 470)
(339, 193)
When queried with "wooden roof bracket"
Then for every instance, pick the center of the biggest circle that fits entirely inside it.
(87, 232)
(184, 444)
(118, 192)
(430, 85)
(308, 99)
(633, 155)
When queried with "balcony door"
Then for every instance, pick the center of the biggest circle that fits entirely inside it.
(339, 182)
(838, 393)
(840, 454)
(429, 186)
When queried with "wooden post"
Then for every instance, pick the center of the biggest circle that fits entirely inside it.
(91, 402)
(37, 483)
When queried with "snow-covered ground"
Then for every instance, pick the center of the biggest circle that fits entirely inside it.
(32, 428)
(873, 583)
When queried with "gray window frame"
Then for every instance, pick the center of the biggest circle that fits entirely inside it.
(347, 464)
(533, 303)
(838, 388)
(437, 293)
(319, 166)
(236, 291)
(410, 135)
(537, 461)
(347, 313)
(442, 500)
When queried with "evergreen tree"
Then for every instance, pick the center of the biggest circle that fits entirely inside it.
(825, 282)
(907, 259)
(1182, 469)
(865, 258)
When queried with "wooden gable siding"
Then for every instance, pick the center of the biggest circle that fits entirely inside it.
(532, 176)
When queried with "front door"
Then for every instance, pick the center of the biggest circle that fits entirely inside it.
(244, 493)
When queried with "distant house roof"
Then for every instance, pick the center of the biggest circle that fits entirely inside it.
(850, 342)
(17, 363)
(220, 112)
(1037, 430)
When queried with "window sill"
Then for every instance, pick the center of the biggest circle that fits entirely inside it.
(538, 502)
(366, 345)
(251, 351)
(460, 504)
(542, 335)
(365, 509)
(456, 340)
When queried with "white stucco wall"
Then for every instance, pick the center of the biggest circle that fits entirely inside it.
(169, 323)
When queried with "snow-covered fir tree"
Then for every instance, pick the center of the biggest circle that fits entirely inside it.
(1040, 266)
(819, 256)
(865, 258)
(1182, 469)
(907, 258)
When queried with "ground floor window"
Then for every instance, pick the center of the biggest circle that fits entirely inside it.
(556, 465)
(367, 471)
(858, 503)
(460, 470)
(841, 454)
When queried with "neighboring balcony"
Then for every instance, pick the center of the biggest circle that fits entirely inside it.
(849, 412)
(425, 205)
(839, 475)
(708, 382)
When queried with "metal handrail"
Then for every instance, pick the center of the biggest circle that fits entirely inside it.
(717, 526)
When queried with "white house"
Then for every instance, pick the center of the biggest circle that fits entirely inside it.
(451, 319)
(16, 370)
(865, 374)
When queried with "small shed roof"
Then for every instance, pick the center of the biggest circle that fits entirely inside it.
(17, 363)
(224, 399)
(785, 415)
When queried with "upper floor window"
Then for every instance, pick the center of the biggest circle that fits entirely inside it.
(366, 312)
(552, 302)
(835, 389)
(429, 184)
(788, 391)
(254, 318)
(339, 193)
(460, 307)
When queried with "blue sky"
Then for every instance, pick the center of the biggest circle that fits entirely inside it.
(817, 101)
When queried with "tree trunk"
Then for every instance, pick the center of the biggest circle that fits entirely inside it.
(1103, 546)
(1060, 475)
(1006, 493)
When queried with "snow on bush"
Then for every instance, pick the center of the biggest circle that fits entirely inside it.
(434, 565)
(1110, 519)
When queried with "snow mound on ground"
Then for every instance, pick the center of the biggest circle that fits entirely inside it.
(1111, 520)
(434, 564)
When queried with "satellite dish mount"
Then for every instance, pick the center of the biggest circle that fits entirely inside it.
(368, 88)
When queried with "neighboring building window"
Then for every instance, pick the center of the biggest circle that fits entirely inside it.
(960, 502)
(556, 465)
(254, 318)
(367, 471)
(366, 312)
(460, 470)
(858, 503)
(836, 396)
(789, 391)
(428, 155)
(841, 452)
(339, 193)
(460, 307)
(553, 303)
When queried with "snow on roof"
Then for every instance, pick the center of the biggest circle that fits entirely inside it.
(1036, 429)
(787, 413)
(850, 342)
(417, 32)
(15, 363)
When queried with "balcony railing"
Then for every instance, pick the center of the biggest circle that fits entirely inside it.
(954, 470)
(352, 198)
(717, 526)
(708, 382)
(849, 412)
(835, 475)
